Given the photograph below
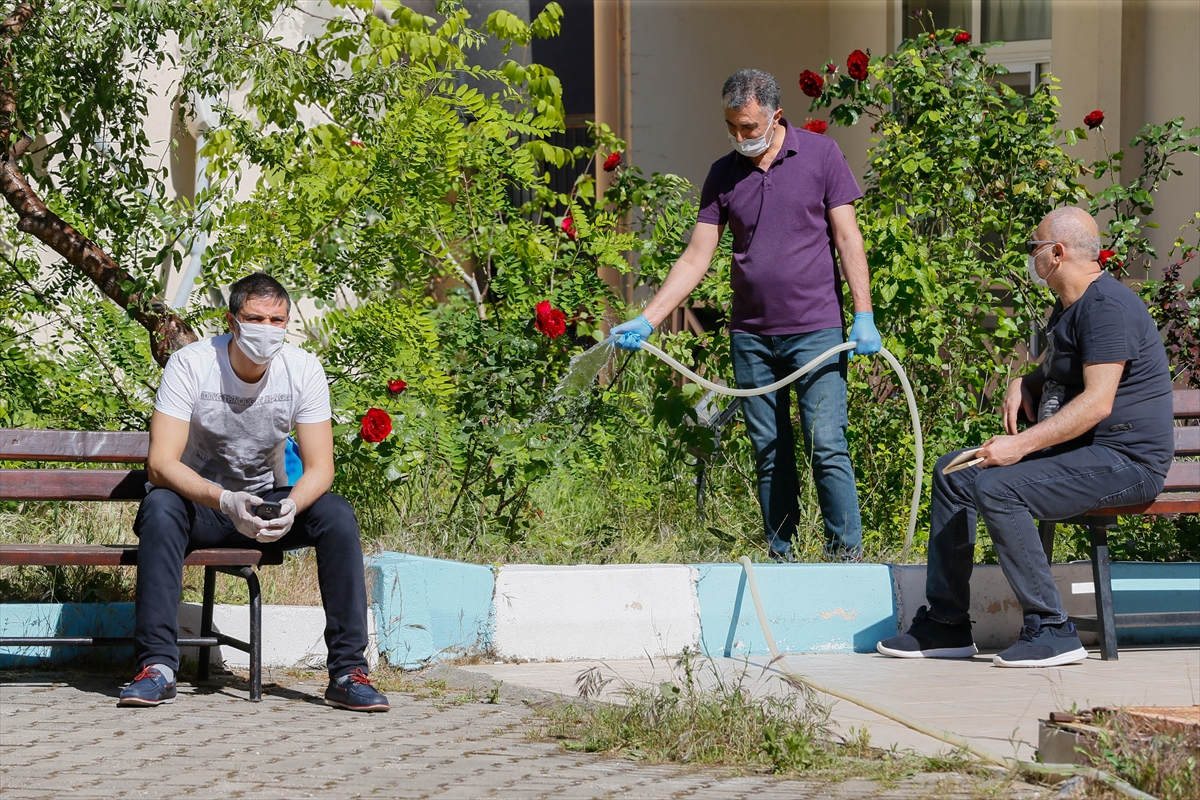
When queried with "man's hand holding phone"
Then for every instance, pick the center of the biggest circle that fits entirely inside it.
(239, 507)
(279, 517)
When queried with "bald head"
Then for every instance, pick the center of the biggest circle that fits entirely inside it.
(1074, 229)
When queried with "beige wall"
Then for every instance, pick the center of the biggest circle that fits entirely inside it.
(856, 25)
(682, 51)
(1172, 89)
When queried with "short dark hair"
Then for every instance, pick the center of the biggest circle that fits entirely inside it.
(256, 284)
(751, 84)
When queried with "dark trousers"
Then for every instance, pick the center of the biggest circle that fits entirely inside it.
(1054, 484)
(169, 526)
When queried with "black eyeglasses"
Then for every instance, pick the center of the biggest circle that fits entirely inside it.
(1034, 244)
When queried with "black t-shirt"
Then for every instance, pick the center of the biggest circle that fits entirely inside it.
(1110, 323)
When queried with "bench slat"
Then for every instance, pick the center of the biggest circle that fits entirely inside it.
(1184, 476)
(1187, 403)
(72, 484)
(1181, 503)
(116, 555)
(17, 444)
(1187, 440)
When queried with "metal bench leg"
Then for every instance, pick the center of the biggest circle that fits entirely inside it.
(1106, 628)
(206, 621)
(255, 632)
(1046, 532)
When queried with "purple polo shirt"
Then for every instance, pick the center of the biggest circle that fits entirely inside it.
(785, 278)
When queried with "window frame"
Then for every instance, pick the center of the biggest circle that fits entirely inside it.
(1030, 57)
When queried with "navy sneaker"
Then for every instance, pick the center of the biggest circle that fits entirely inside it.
(355, 692)
(928, 638)
(1043, 646)
(149, 688)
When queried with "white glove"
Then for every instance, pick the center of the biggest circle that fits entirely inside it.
(277, 528)
(239, 507)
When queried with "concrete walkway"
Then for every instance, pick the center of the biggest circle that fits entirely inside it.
(998, 708)
(63, 736)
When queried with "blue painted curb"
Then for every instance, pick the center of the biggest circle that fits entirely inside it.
(427, 608)
(55, 619)
(1143, 587)
(812, 608)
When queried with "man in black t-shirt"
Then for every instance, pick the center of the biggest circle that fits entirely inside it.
(1103, 438)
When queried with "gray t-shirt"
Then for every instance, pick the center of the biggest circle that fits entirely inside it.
(239, 430)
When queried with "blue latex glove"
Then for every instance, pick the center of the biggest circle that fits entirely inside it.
(629, 335)
(863, 334)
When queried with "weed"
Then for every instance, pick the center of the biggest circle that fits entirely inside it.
(1163, 760)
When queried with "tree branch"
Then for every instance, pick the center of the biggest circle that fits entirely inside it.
(168, 332)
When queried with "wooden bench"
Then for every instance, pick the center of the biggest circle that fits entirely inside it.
(1180, 495)
(119, 485)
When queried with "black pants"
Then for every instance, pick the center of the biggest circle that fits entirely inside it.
(169, 526)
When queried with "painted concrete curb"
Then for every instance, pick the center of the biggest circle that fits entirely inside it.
(427, 608)
(812, 608)
(293, 636)
(997, 616)
(619, 611)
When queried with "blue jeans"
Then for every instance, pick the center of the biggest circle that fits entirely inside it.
(821, 398)
(1055, 484)
(169, 526)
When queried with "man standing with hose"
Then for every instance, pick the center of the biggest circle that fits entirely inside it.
(788, 197)
(1103, 438)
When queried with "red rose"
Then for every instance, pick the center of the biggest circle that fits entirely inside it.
(612, 162)
(856, 65)
(356, 143)
(1094, 120)
(568, 227)
(816, 125)
(1109, 255)
(550, 321)
(962, 37)
(831, 67)
(811, 83)
(397, 386)
(376, 425)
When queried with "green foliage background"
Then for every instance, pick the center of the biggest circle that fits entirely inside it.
(403, 189)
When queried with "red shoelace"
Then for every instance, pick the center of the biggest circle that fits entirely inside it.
(358, 676)
(146, 673)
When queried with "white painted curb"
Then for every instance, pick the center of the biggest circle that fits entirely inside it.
(620, 611)
(293, 636)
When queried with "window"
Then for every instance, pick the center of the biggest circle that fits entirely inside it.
(1023, 25)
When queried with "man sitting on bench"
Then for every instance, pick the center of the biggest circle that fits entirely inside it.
(221, 417)
(1103, 439)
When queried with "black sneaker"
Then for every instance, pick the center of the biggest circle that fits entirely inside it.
(1043, 646)
(149, 688)
(355, 692)
(928, 638)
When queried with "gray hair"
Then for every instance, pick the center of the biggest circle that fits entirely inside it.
(1076, 229)
(751, 84)
(256, 284)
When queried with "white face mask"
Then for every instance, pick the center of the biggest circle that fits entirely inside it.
(260, 343)
(1031, 265)
(752, 148)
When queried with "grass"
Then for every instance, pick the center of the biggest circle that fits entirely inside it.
(703, 718)
(1162, 760)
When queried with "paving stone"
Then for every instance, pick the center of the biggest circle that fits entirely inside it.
(69, 740)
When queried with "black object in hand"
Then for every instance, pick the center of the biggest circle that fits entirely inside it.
(268, 510)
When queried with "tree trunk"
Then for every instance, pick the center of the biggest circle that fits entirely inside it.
(168, 332)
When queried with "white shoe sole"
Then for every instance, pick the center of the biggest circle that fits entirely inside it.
(940, 652)
(137, 702)
(1072, 657)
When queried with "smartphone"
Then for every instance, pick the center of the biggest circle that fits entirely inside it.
(268, 510)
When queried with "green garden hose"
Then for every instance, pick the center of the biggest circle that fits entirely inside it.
(918, 446)
(948, 737)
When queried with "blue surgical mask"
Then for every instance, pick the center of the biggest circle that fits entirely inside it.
(753, 148)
